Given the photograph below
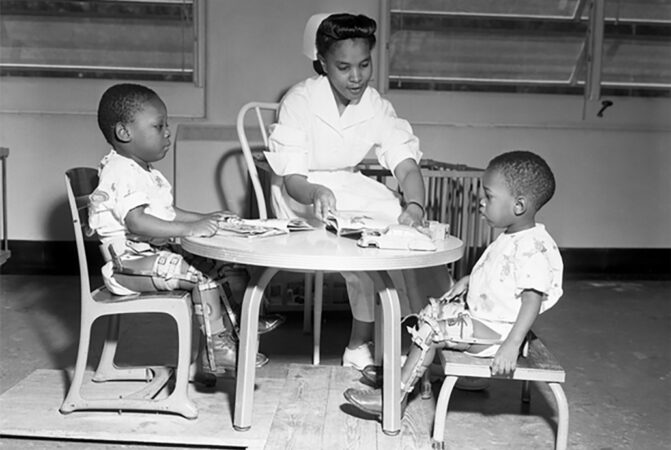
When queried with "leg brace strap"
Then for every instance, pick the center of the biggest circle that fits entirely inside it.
(166, 273)
(423, 337)
(202, 314)
(224, 294)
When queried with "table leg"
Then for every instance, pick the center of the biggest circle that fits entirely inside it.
(249, 325)
(391, 339)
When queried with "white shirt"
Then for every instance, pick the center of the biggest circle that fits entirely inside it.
(311, 138)
(311, 135)
(123, 186)
(528, 259)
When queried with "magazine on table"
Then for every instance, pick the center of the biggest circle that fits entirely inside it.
(381, 234)
(353, 223)
(253, 228)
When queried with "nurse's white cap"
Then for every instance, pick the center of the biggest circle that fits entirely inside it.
(310, 35)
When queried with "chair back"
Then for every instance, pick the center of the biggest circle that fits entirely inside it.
(258, 108)
(80, 182)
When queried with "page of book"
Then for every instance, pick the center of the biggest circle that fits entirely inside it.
(348, 223)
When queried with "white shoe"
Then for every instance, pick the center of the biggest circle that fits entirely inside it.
(358, 358)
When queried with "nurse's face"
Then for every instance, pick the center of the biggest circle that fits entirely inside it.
(348, 67)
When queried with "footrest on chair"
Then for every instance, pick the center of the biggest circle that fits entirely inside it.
(161, 376)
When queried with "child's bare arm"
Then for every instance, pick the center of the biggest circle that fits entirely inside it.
(142, 224)
(505, 359)
(457, 289)
(183, 215)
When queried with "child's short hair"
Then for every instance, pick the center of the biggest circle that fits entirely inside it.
(119, 104)
(341, 26)
(526, 174)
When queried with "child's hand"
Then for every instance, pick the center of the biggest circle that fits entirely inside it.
(458, 289)
(505, 360)
(323, 201)
(204, 227)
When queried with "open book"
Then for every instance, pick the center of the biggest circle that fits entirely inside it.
(235, 226)
(353, 223)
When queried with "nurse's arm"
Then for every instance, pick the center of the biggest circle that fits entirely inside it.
(301, 190)
(409, 177)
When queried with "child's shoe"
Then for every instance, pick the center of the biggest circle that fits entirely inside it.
(223, 355)
(373, 374)
(269, 322)
(370, 401)
(358, 358)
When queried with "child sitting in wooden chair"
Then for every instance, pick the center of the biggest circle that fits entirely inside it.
(132, 212)
(518, 277)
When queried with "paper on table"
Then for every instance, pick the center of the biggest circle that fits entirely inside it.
(251, 228)
(352, 223)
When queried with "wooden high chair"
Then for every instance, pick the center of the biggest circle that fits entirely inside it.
(80, 183)
(536, 363)
(259, 108)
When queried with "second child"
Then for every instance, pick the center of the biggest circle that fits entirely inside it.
(518, 277)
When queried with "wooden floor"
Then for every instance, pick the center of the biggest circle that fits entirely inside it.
(306, 410)
(612, 338)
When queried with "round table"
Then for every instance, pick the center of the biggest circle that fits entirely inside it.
(320, 251)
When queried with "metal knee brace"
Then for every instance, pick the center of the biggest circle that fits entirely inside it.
(203, 312)
(166, 272)
(423, 336)
(450, 318)
(436, 322)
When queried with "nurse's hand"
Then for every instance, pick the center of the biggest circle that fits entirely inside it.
(412, 215)
(323, 201)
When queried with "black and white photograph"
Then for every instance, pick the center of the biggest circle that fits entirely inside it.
(335, 224)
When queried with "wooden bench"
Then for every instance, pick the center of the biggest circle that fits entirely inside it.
(535, 364)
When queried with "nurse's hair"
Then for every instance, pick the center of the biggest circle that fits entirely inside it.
(341, 26)
(526, 174)
(119, 104)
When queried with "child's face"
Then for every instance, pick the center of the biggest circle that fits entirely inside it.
(498, 203)
(348, 67)
(149, 132)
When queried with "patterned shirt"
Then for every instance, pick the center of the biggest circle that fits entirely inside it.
(123, 186)
(528, 259)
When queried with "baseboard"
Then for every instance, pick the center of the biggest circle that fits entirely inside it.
(48, 258)
(60, 258)
(630, 263)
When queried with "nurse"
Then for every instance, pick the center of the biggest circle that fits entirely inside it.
(327, 125)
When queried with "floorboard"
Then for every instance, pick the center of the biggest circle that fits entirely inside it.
(612, 338)
(299, 420)
(344, 429)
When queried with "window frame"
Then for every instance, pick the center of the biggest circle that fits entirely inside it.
(590, 56)
(65, 95)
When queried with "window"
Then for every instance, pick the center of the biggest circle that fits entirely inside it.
(140, 40)
(614, 47)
